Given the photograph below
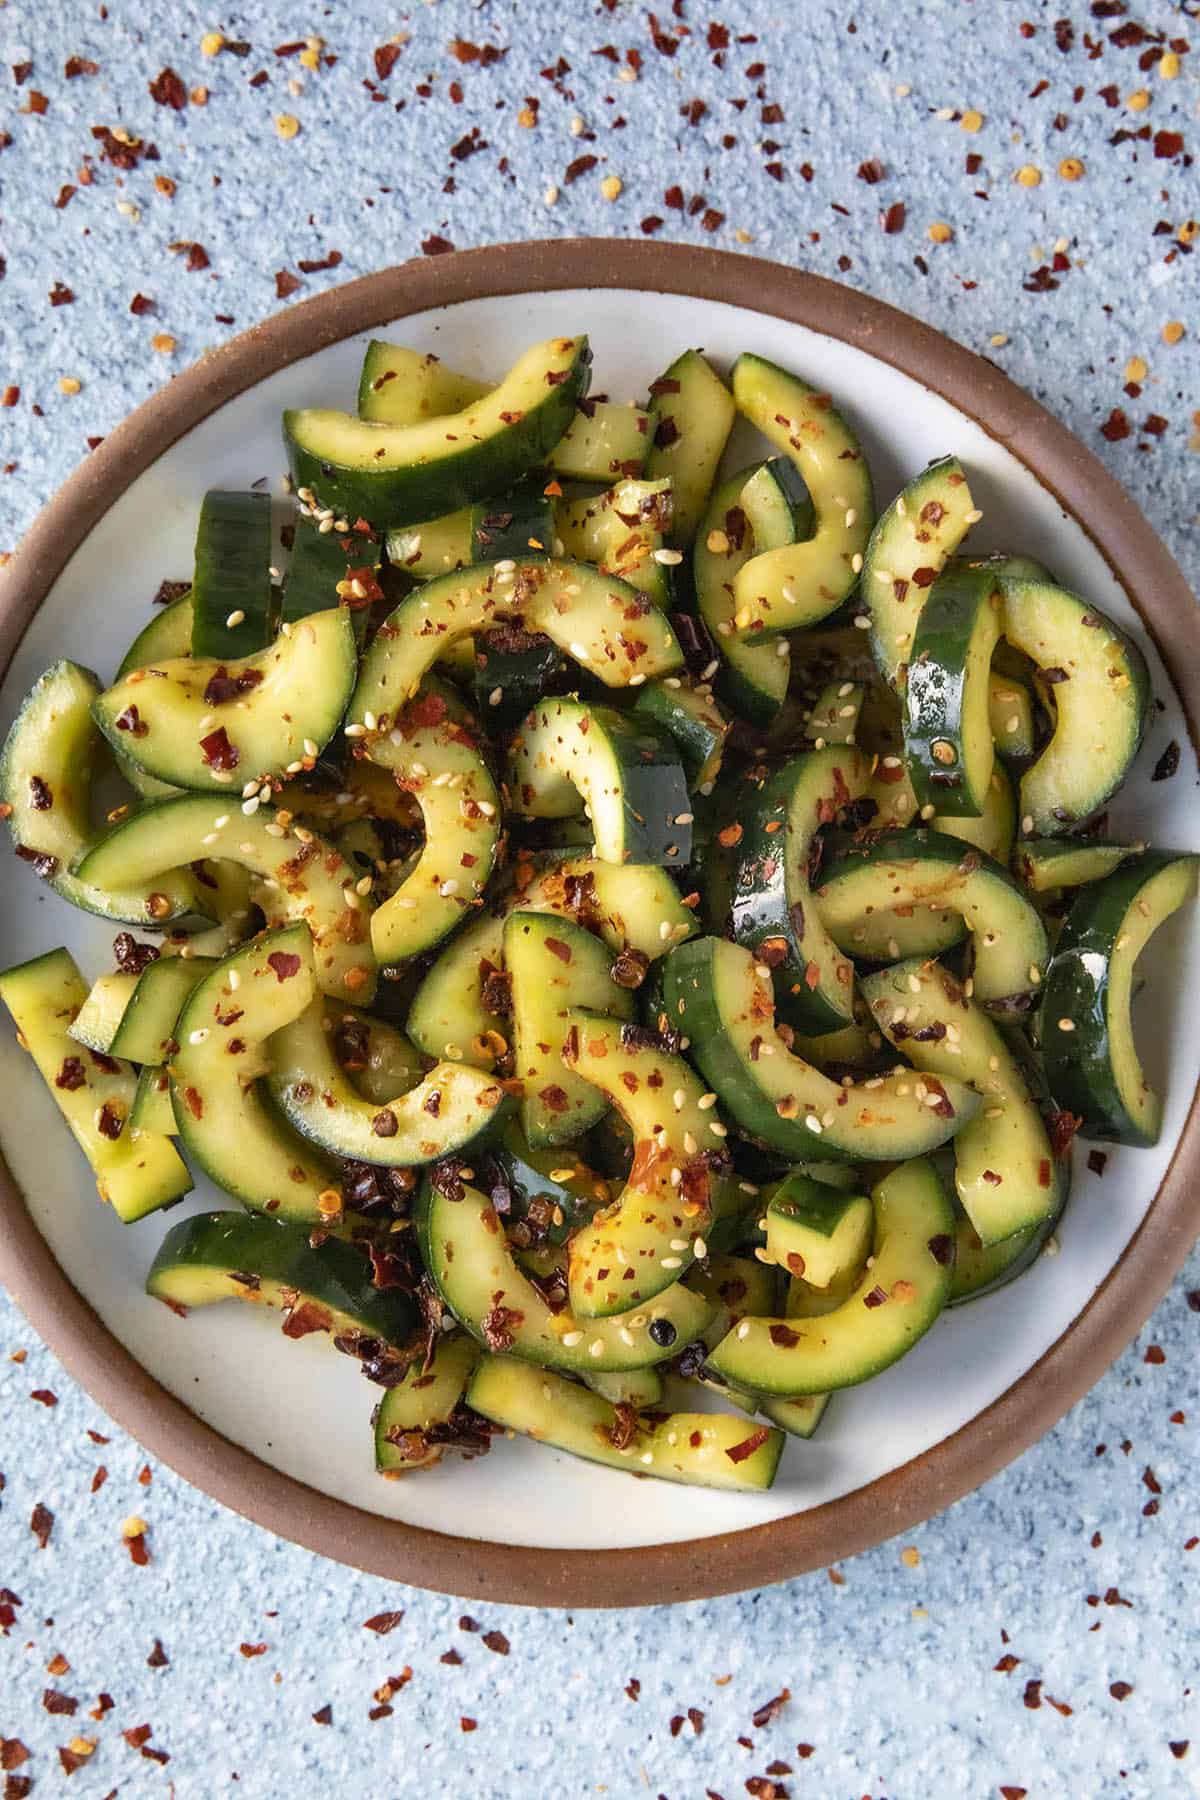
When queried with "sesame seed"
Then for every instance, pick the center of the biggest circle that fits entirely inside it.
(705, 1101)
(198, 1037)
(1027, 824)
(236, 617)
(571, 1338)
(448, 888)
(596, 1347)
(1035, 974)
(672, 1262)
(743, 1329)
(251, 806)
(862, 622)
(1066, 1025)
(974, 516)
(370, 721)
(718, 1130)
(579, 652)
(355, 731)
(669, 558)
(626, 1336)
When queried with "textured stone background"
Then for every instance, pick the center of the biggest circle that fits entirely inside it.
(1040, 1637)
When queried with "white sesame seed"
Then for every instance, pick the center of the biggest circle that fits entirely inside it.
(236, 617)
(851, 516)
(856, 562)
(672, 1262)
(198, 1037)
(370, 721)
(579, 652)
(668, 558)
(310, 749)
(250, 807)
(448, 888)
(743, 1329)
(862, 621)
(571, 1338)
(626, 1336)
(355, 731)
(718, 1130)
(596, 1347)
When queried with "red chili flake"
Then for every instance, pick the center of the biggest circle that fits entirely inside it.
(99, 1478)
(61, 295)
(1116, 426)
(167, 89)
(1120, 1690)
(217, 750)
(468, 1724)
(784, 1336)
(484, 54)
(696, 1719)
(66, 194)
(284, 963)
(1178, 1747)
(383, 1622)
(249, 1650)
(1155, 1354)
(1033, 1695)
(580, 166)
(153, 1755)
(44, 1396)
(110, 1123)
(158, 1658)
(651, 223)
(285, 284)
(435, 245)
(38, 103)
(324, 1714)
(59, 1703)
(496, 1640)
(1168, 144)
(451, 1658)
(893, 219)
(1015, 1793)
(386, 57)
(1008, 1662)
(138, 1552)
(770, 1710)
(871, 171)
(1168, 762)
(12, 1753)
(739, 1452)
(136, 1735)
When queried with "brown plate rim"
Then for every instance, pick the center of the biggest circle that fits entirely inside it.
(958, 1464)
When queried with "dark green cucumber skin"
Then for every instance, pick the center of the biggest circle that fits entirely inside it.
(759, 907)
(526, 1183)
(1079, 1063)
(520, 675)
(935, 687)
(333, 1274)
(502, 528)
(654, 789)
(320, 560)
(406, 496)
(233, 574)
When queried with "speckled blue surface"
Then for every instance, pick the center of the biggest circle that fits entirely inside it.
(989, 1655)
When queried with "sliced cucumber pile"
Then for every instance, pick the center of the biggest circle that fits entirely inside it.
(635, 933)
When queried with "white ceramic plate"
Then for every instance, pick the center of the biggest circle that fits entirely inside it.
(305, 1411)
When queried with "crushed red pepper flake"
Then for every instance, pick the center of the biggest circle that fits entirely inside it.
(58, 1703)
(167, 89)
(41, 1523)
(383, 1622)
(137, 1735)
(323, 1715)
(249, 1650)
(158, 1658)
(1120, 1690)
(496, 1640)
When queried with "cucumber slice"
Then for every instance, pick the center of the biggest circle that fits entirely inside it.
(430, 747)
(296, 876)
(512, 670)
(691, 416)
(1012, 718)
(771, 904)
(714, 1450)
(681, 1176)
(46, 770)
(1046, 864)
(1091, 1058)
(472, 1267)
(803, 583)
(759, 509)
(1101, 697)
(168, 635)
(905, 1289)
(449, 1110)
(99, 1018)
(433, 547)
(379, 1060)
(799, 1417)
(620, 530)
(908, 549)
(639, 1388)
(448, 1015)
(328, 569)
(925, 870)
(424, 1400)
(835, 712)
(399, 386)
(947, 693)
(193, 722)
(687, 712)
(396, 474)
(152, 1109)
(604, 439)
(137, 1172)
(222, 1120)
(716, 995)
(552, 1192)
(554, 966)
(995, 830)
(630, 780)
(600, 622)
(232, 581)
(270, 1262)
(523, 520)
(816, 1231)
(145, 1031)
(733, 1287)
(1005, 1171)
(980, 1269)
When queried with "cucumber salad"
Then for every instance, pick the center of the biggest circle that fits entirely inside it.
(632, 937)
